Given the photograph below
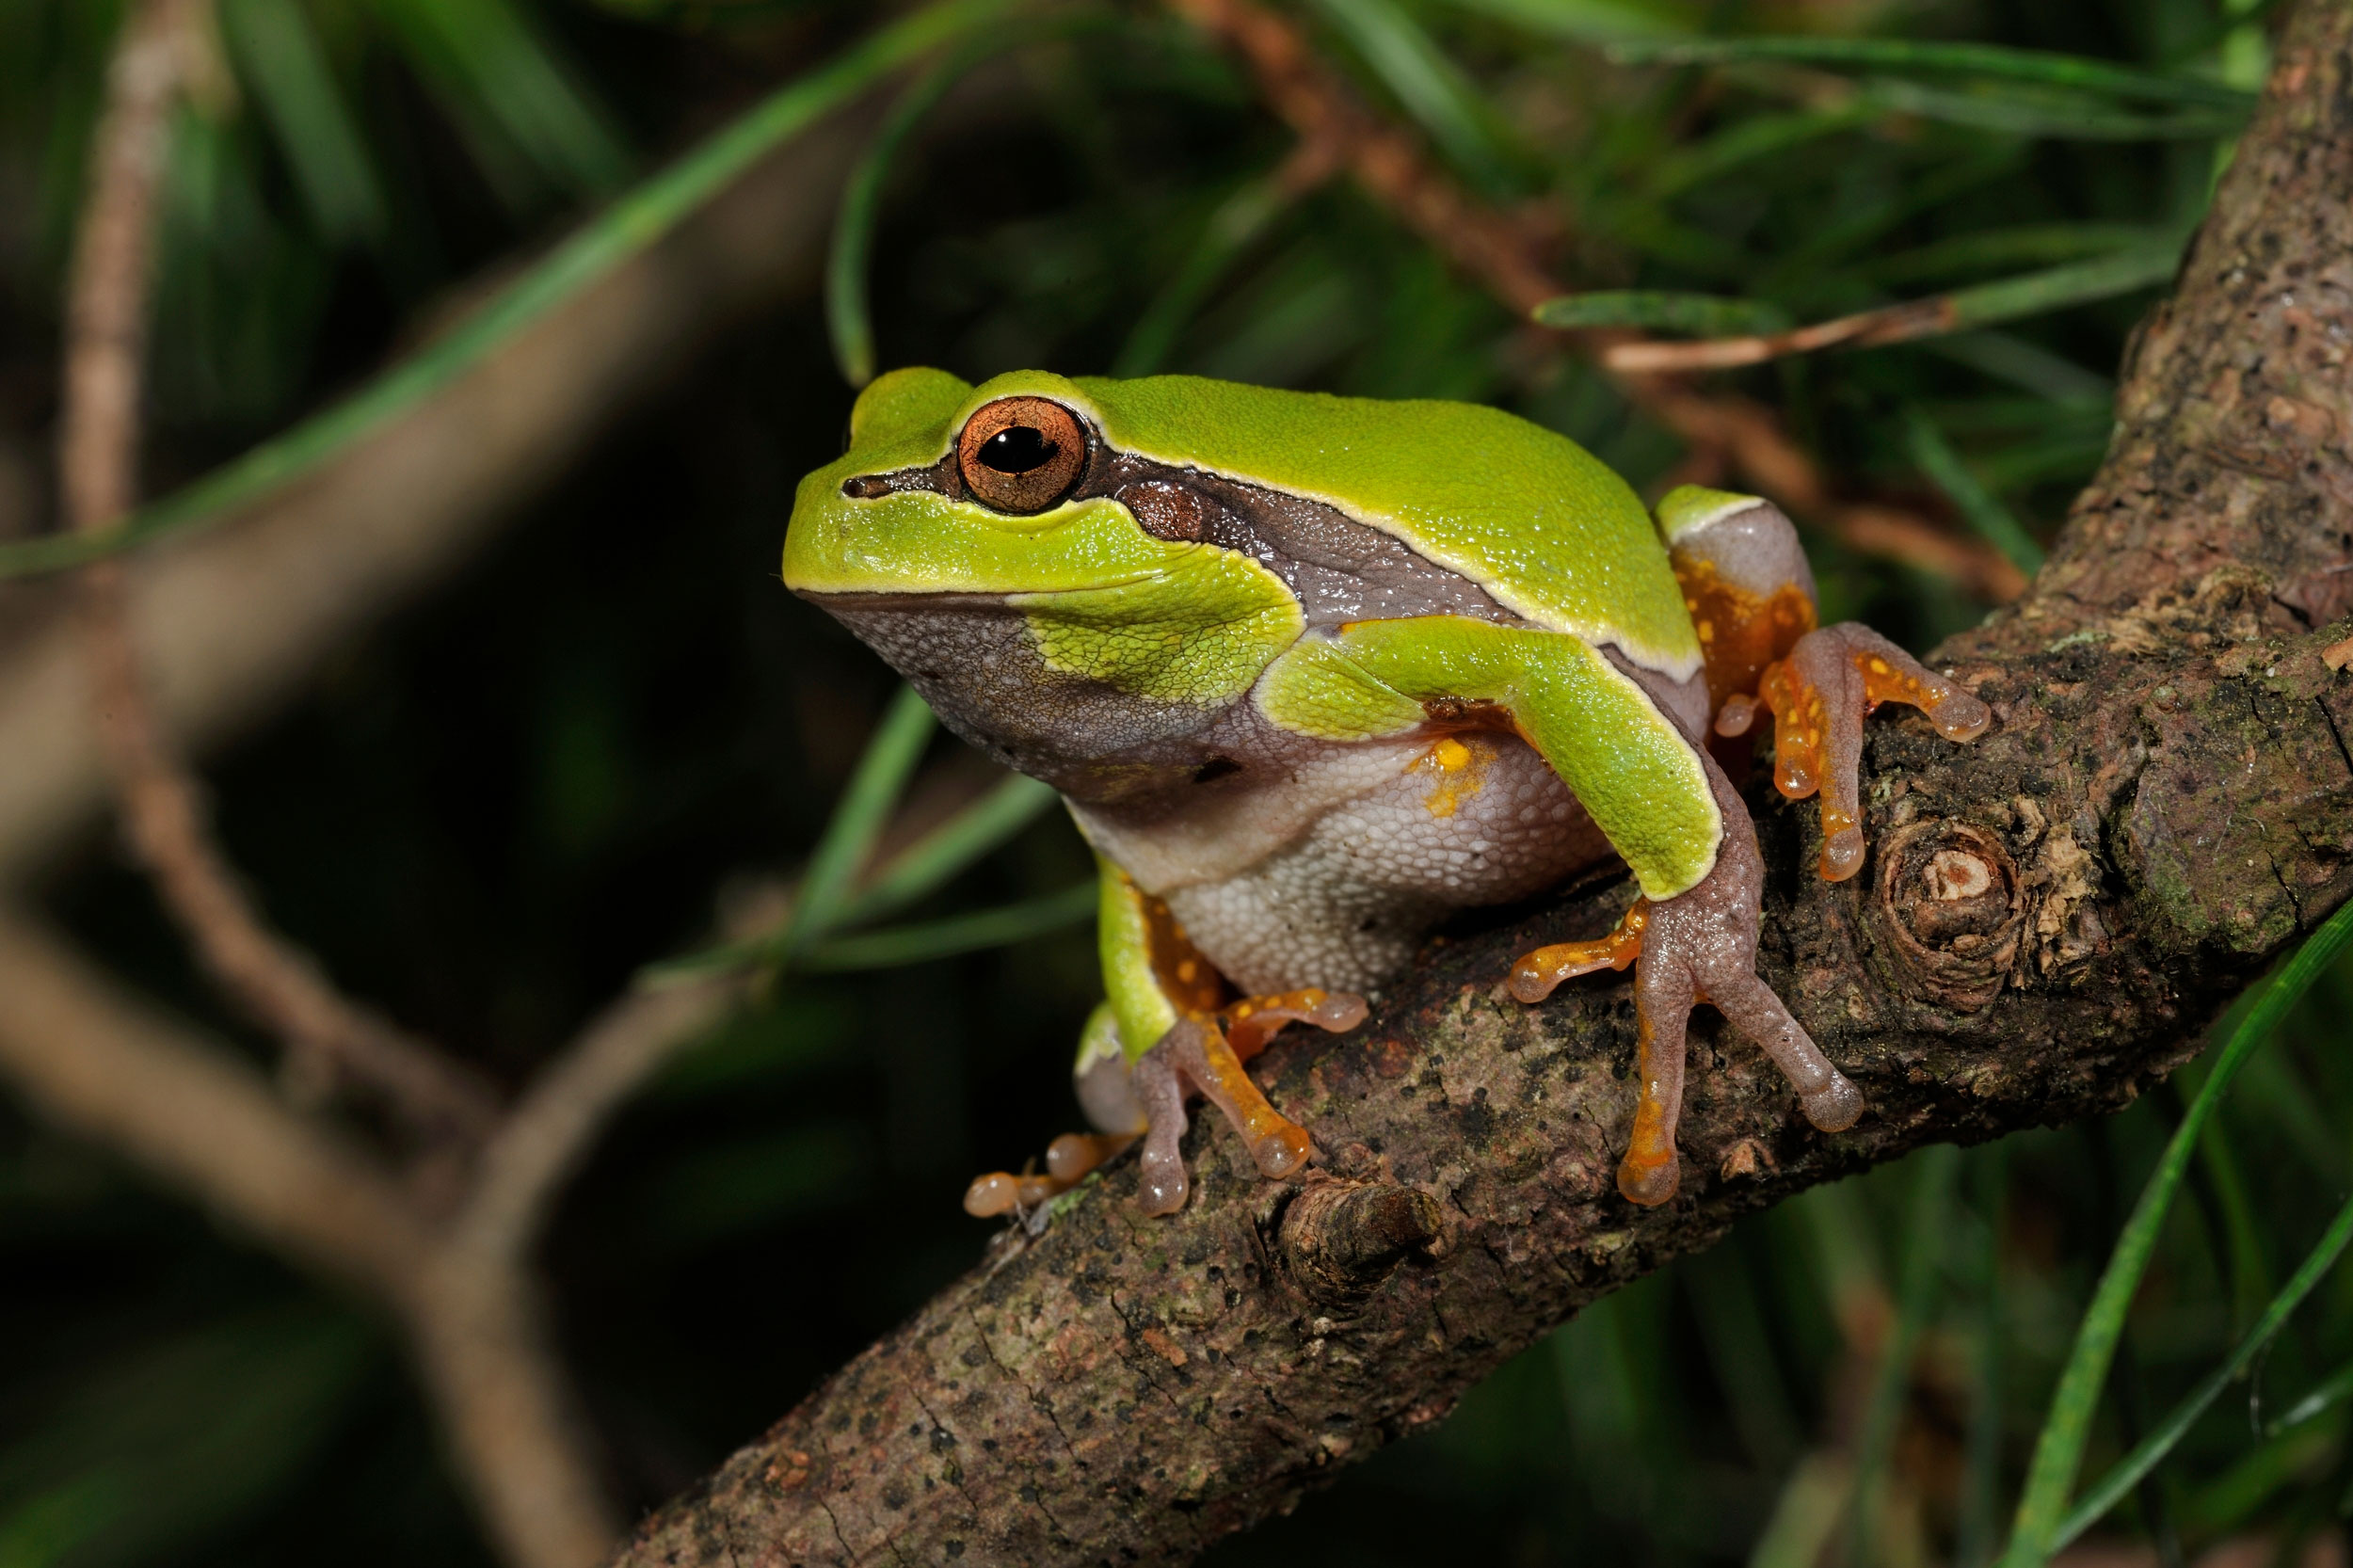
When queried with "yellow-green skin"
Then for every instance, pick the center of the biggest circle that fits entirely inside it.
(1539, 524)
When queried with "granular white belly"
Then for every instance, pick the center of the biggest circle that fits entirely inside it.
(1475, 819)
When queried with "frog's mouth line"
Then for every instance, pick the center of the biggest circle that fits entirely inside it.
(957, 599)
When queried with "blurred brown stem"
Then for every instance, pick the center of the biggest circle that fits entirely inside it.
(328, 1039)
(472, 1314)
(1506, 256)
(327, 557)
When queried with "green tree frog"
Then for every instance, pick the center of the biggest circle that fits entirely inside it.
(1312, 672)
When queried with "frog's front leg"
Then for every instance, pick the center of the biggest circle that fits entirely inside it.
(1751, 600)
(1663, 802)
(1819, 697)
(1169, 1028)
(1699, 946)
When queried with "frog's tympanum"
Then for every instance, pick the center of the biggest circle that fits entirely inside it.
(1313, 672)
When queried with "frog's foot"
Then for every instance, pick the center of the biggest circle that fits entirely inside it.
(1702, 946)
(1698, 946)
(1068, 1158)
(1538, 973)
(1819, 697)
(1253, 1021)
(1206, 1054)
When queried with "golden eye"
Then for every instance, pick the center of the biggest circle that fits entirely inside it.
(1021, 454)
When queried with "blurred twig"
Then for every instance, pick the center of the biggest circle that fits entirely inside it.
(1938, 315)
(1506, 256)
(501, 1390)
(328, 1039)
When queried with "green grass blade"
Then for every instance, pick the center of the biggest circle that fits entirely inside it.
(1703, 315)
(1926, 1221)
(989, 928)
(2007, 357)
(1429, 86)
(2331, 1391)
(2054, 288)
(849, 323)
(821, 901)
(492, 67)
(2059, 1451)
(849, 316)
(858, 821)
(1988, 515)
(2069, 118)
(2110, 1489)
(1977, 1533)
(279, 59)
(1752, 141)
(2057, 454)
(624, 229)
(949, 848)
(2001, 249)
(1970, 59)
(2246, 1259)
(1588, 20)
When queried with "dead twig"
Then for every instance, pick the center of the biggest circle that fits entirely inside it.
(97, 1063)
(479, 1330)
(551, 1128)
(328, 1039)
(1914, 319)
(1506, 258)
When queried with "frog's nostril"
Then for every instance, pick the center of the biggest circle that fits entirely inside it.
(866, 487)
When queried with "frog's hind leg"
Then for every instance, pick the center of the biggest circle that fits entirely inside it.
(1145, 1098)
(1751, 595)
(1699, 946)
(1819, 697)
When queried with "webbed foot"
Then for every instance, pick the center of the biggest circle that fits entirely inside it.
(1203, 1054)
(1068, 1158)
(1819, 697)
(1697, 947)
(1206, 1054)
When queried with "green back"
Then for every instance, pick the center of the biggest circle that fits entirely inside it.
(1529, 515)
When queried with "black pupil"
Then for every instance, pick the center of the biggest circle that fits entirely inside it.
(1017, 449)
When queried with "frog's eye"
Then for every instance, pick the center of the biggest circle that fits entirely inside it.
(1021, 454)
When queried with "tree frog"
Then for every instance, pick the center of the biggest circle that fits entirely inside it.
(1311, 672)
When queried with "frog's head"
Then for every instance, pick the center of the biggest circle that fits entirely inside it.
(970, 534)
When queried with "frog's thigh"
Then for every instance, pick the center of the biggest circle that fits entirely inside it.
(1745, 582)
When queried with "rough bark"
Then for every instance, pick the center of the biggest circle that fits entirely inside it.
(2164, 804)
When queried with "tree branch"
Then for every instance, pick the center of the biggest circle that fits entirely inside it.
(2164, 803)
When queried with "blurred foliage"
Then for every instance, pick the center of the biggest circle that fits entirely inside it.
(519, 793)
